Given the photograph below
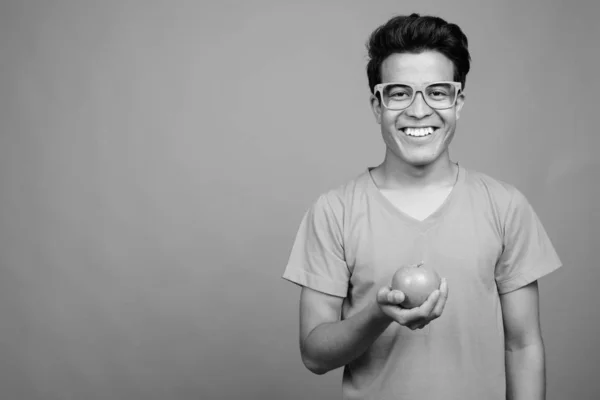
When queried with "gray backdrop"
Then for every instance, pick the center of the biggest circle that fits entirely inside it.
(156, 158)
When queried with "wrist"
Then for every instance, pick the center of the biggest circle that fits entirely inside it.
(377, 315)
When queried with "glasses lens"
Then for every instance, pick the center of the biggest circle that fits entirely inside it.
(397, 96)
(437, 95)
(440, 95)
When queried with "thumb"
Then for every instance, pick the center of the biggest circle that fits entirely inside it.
(389, 297)
(382, 294)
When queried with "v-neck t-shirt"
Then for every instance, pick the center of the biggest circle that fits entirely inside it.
(388, 201)
(485, 239)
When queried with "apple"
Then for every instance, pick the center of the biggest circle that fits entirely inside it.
(417, 282)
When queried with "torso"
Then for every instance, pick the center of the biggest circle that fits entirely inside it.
(449, 229)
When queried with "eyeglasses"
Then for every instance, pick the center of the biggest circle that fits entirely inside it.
(399, 96)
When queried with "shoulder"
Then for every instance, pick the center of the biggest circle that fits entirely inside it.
(503, 198)
(497, 189)
(340, 198)
(502, 194)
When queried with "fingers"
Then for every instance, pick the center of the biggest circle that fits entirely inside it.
(433, 306)
(426, 308)
(441, 303)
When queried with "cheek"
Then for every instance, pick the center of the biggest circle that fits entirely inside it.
(390, 137)
(388, 121)
(450, 118)
(390, 132)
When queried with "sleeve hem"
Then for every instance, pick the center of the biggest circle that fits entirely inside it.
(319, 283)
(517, 282)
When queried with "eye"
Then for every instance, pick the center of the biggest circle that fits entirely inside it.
(438, 93)
(398, 94)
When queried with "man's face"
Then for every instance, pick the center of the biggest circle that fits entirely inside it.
(429, 66)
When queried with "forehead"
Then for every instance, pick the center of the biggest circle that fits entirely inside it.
(423, 67)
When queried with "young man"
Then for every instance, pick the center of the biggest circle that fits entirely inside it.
(476, 337)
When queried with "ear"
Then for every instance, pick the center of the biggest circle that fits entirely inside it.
(460, 102)
(376, 108)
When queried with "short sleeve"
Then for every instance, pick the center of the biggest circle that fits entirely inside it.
(317, 257)
(528, 253)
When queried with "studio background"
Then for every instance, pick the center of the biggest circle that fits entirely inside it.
(156, 158)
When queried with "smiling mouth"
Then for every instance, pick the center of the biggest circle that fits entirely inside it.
(419, 132)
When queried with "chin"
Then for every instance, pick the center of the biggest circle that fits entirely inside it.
(420, 163)
(416, 160)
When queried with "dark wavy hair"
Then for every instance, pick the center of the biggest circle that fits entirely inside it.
(416, 34)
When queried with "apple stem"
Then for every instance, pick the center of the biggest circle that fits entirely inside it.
(420, 264)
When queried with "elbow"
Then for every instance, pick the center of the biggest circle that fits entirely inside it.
(313, 366)
(316, 369)
(522, 342)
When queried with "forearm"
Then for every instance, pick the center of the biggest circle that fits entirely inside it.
(526, 372)
(335, 344)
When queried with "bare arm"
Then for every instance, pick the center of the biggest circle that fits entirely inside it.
(524, 347)
(327, 342)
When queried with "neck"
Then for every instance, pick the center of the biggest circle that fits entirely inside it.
(394, 173)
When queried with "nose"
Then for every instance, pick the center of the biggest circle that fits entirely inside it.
(419, 108)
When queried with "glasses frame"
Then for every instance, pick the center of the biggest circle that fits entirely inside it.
(415, 90)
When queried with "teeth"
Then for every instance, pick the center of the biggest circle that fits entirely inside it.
(418, 131)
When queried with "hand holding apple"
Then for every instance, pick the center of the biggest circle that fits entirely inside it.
(392, 303)
(417, 282)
